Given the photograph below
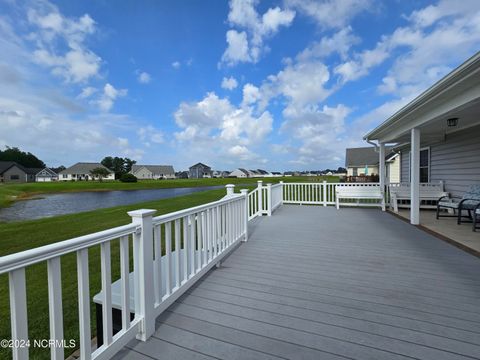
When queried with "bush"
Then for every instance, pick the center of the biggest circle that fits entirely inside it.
(128, 178)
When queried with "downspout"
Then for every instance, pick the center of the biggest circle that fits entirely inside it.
(372, 143)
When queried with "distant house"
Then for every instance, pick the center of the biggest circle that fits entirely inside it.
(10, 171)
(181, 175)
(81, 171)
(220, 174)
(144, 172)
(364, 162)
(240, 173)
(46, 175)
(199, 171)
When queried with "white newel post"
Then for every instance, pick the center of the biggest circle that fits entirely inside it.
(143, 268)
(415, 177)
(269, 199)
(260, 196)
(244, 192)
(282, 187)
(381, 169)
(230, 189)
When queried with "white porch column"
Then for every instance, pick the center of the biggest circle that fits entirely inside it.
(415, 177)
(381, 167)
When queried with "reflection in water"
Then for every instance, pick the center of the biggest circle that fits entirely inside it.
(69, 203)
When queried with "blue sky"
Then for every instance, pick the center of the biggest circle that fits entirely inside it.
(259, 84)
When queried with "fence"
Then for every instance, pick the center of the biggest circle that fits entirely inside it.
(191, 241)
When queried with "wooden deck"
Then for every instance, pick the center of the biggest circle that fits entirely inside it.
(317, 283)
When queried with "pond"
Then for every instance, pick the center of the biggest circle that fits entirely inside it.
(69, 203)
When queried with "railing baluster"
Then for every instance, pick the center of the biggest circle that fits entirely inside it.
(168, 253)
(191, 221)
(106, 293)
(209, 234)
(199, 241)
(18, 312)
(157, 265)
(177, 253)
(204, 239)
(215, 231)
(84, 304)
(125, 281)
(186, 245)
(55, 306)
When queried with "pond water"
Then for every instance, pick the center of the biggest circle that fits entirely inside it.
(69, 203)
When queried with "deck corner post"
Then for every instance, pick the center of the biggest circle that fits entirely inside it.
(282, 185)
(269, 199)
(230, 189)
(244, 192)
(382, 172)
(260, 196)
(415, 177)
(143, 269)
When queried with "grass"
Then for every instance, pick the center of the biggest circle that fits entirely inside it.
(12, 192)
(19, 236)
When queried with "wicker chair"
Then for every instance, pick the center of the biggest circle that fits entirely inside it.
(469, 203)
(476, 218)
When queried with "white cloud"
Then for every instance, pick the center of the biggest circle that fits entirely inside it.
(150, 134)
(215, 123)
(248, 45)
(229, 83)
(251, 94)
(59, 42)
(176, 65)
(144, 77)
(87, 92)
(110, 94)
(328, 13)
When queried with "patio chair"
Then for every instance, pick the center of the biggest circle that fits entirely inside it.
(476, 218)
(469, 203)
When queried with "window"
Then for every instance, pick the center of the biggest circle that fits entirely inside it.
(14, 177)
(64, 176)
(425, 165)
(355, 171)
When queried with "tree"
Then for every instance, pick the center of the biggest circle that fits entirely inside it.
(99, 173)
(341, 170)
(118, 165)
(26, 159)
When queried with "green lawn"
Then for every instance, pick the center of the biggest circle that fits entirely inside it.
(19, 236)
(12, 192)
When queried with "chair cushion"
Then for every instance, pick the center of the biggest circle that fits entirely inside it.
(448, 204)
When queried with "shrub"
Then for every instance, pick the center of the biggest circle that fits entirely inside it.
(128, 178)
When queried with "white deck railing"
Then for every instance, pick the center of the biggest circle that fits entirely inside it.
(170, 253)
(197, 238)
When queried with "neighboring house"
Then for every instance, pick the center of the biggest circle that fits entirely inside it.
(220, 174)
(181, 175)
(46, 175)
(441, 127)
(199, 171)
(144, 172)
(364, 161)
(81, 171)
(241, 173)
(10, 171)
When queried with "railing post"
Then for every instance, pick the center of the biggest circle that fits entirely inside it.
(324, 188)
(244, 192)
(260, 196)
(230, 189)
(143, 268)
(269, 199)
(281, 187)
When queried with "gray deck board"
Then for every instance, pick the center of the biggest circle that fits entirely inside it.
(317, 283)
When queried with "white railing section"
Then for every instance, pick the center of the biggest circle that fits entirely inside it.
(192, 241)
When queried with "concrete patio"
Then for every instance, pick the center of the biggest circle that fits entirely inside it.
(447, 228)
(316, 283)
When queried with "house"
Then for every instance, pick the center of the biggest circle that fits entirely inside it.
(220, 174)
(144, 172)
(181, 175)
(437, 135)
(199, 171)
(364, 161)
(81, 171)
(10, 171)
(46, 175)
(241, 173)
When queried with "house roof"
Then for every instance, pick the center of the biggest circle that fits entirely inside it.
(83, 168)
(199, 164)
(155, 169)
(366, 156)
(5, 165)
(48, 170)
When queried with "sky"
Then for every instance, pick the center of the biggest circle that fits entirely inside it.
(277, 85)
